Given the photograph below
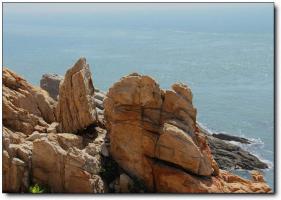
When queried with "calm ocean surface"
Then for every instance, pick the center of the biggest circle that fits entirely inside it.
(224, 52)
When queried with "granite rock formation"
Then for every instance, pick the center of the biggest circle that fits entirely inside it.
(68, 167)
(151, 133)
(153, 136)
(76, 108)
(25, 107)
(34, 149)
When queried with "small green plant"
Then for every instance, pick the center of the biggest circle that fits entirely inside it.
(36, 189)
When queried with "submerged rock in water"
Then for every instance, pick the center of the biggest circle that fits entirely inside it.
(227, 137)
(231, 156)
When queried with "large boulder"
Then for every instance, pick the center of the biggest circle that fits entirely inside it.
(76, 108)
(146, 124)
(50, 83)
(154, 136)
(25, 107)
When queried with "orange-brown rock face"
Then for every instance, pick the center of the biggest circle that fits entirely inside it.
(153, 136)
(170, 179)
(146, 124)
(25, 108)
(35, 152)
(76, 108)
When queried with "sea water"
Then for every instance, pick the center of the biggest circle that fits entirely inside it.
(224, 52)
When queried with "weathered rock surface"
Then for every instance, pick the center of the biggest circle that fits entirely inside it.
(25, 108)
(16, 161)
(76, 108)
(173, 180)
(50, 83)
(53, 161)
(34, 151)
(153, 136)
(66, 168)
(152, 132)
(146, 124)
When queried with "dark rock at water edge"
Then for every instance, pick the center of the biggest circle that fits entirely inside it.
(231, 156)
(227, 137)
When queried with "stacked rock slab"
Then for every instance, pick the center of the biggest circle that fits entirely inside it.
(154, 137)
(34, 151)
(25, 107)
(68, 167)
(76, 108)
(16, 161)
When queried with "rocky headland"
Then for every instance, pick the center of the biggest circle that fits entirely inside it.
(68, 136)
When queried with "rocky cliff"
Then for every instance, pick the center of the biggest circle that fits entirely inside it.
(135, 138)
(37, 146)
(154, 136)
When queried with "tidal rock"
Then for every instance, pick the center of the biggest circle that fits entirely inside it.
(76, 108)
(24, 106)
(50, 83)
(227, 137)
(146, 124)
(230, 156)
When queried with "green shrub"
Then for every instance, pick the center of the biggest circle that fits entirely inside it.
(36, 189)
